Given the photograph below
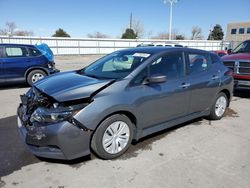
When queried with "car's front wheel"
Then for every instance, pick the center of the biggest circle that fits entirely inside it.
(219, 107)
(34, 76)
(113, 137)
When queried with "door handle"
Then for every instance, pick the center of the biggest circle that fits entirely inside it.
(185, 85)
(215, 77)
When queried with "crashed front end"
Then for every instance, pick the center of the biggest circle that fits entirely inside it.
(49, 128)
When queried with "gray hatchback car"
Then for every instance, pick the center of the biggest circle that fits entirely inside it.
(121, 97)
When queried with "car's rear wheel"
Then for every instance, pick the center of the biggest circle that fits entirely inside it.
(34, 76)
(219, 107)
(113, 137)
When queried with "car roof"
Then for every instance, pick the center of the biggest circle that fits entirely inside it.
(11, 44)
(156, 50)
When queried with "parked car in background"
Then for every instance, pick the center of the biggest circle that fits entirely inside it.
(160, 44)
(107, 105)
(25, 63)
(220, 53)
(238, 60)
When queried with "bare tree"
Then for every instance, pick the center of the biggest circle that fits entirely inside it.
(161, 35)
(11, 29)
(97, 35)
(165, 36)
(24, 33)
(197, 33)
(138, 27)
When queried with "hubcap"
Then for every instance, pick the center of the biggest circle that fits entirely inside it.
(220, 106)
(36, 77)
(116, 137)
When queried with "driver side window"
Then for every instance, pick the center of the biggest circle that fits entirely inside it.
(171, 65)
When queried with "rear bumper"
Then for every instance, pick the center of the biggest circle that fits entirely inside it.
(53, 71)
(58, 141)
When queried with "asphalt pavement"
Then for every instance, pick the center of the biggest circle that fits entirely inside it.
(199, 153)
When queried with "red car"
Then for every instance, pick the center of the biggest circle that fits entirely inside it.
(239, 61)
(220, 53)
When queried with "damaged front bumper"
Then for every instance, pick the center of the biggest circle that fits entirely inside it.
(59, 140)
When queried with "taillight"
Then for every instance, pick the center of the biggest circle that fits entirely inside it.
(51, 65)
(229, 73)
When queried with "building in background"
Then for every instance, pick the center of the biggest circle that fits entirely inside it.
(238, 32)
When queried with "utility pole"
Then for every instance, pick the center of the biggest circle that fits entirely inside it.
(131, 20)
(171, 2)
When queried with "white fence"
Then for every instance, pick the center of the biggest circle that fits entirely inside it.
(74, 46)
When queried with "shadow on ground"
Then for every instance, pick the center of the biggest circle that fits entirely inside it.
(13, 86)
(13, 153)
(243, 93)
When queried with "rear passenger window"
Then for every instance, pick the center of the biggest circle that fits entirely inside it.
(215, 58)
(34, 52)
(16, 52)
(198, 62)
(171, 65)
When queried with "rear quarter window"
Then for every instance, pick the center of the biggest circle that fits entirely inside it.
(34, 52)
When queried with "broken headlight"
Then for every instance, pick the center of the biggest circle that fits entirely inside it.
(56, 114)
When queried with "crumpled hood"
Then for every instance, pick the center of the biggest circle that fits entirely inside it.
(238, 56)
(69, 86)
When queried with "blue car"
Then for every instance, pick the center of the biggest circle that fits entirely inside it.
(25, 63)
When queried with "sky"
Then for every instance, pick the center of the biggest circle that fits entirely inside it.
(111, 17)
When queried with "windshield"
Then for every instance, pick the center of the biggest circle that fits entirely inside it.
(116, 65)
(244, 47)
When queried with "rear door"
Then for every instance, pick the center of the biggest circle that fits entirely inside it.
(15, 62)
(204, 81)
(162, 102)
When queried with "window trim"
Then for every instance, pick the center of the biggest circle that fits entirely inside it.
(1, 51)
(5, 53)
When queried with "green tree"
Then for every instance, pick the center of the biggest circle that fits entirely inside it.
(180, 37)
(216, 34)
(129, 34)
(61, 33)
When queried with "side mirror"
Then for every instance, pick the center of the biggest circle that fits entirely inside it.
(229, 51)
(155, 79)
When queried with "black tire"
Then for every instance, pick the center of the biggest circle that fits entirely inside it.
(97, 139)
(213, 115)
(30, 79)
